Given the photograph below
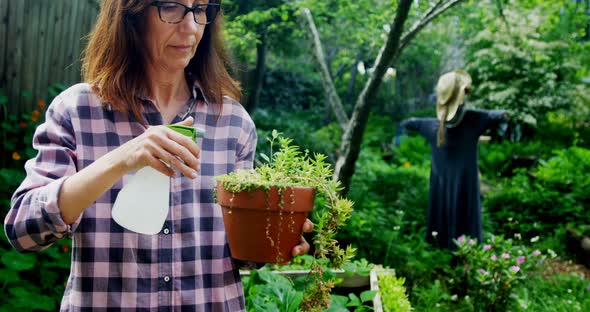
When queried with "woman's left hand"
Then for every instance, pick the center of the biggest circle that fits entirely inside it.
(303, 246)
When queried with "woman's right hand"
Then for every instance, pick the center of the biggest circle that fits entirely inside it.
(160, 144)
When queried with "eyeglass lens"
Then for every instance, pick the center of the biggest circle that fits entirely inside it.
(172, 12)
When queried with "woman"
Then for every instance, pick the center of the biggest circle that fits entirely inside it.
(454, 207)
(147, 64)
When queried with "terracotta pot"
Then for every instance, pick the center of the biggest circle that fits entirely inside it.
(262, 226)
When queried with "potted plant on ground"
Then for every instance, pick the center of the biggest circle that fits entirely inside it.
(264, 210)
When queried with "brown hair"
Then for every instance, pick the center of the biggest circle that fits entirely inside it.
(114, 64)
(441, 127)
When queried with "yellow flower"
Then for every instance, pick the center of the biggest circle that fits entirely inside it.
(16, 156)
(407, 164)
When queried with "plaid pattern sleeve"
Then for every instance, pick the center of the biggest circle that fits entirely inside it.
(35, 221)
(185, 267)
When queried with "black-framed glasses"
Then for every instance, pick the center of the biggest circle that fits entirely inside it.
(173, 12)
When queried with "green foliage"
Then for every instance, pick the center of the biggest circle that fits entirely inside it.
(491, 271)
(514, 67)
(289, 89)
(431, 297)
(249, 21)
(413, 151)
(501, 159)
(392, 199)
(265, 291)
(560, 293)
(393, 293)
(304, 128)
(554, 194)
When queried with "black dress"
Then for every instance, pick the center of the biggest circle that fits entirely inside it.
(454, 202)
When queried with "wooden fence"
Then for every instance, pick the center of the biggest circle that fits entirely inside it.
(41, 42)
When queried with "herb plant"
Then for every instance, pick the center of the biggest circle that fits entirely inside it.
(290, 167)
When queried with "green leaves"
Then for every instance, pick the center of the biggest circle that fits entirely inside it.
(516, 66)
(18, 262)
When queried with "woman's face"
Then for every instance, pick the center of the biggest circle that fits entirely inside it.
(170, 47)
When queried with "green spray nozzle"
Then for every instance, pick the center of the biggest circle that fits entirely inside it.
(189, 131)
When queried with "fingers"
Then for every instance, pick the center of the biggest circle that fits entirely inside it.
(303, 246)
(300, 249)
(179, 152)
(307, 226)
(186, 122)
(160, 144)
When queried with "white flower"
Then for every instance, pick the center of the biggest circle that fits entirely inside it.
(510, 219)
(535, 239)
(396, 228)
(551, 253)
(434, 233)
(518, 236)
(454, 297)
(569, 291)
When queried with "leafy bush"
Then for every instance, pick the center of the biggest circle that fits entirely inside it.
(266, 291)
(492, 271)
(562, 293)
(519, 70)
(393, 199)
(554, 194)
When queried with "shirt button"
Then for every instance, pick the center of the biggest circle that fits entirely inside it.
(166, 231)
(166, 278)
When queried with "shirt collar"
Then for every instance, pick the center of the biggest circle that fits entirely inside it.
(196, 92)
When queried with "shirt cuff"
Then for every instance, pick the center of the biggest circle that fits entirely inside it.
(52, 213)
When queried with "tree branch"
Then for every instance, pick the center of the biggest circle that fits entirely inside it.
(329, 87)
(433, 12)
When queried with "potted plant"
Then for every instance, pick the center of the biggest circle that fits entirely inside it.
(264, 210)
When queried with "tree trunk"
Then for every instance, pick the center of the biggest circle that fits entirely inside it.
(258, 78)
(353, 135)
(328, 84)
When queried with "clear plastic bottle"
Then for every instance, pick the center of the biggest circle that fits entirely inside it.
(142, 204)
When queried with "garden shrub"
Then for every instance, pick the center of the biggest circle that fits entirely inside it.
(561, 293)
(554, 194)
(393, 199)
(490, 272)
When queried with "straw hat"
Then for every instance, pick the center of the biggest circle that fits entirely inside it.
(450, 92)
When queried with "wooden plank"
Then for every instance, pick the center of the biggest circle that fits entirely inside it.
(56, 64)
(80, 34)
(30, 28)
(37, 11)
(13, 60)
(3, 32)
(42, 46)
(64, 43)
(48, 9)
(52, 44)
(73, 39)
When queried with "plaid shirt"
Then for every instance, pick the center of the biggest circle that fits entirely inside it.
(187, 266)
